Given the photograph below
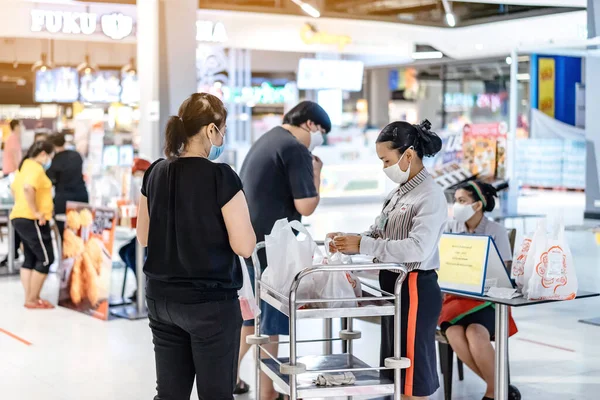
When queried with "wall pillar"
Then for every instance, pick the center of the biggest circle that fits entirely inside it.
(592, 118)
(166, 61)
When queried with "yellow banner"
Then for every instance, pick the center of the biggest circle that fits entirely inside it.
(546, 83)
(462, 261)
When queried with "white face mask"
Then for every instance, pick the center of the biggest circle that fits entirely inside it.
(316, 140)
(395, 173)
(463, 212)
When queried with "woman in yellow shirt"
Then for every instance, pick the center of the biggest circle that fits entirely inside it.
(33, 209)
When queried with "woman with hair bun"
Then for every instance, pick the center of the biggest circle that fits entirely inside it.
(469, 325)
(194, 219)
(407, 232)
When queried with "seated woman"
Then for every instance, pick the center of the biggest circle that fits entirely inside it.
(469, 325)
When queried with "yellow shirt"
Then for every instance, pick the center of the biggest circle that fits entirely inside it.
(32, 174)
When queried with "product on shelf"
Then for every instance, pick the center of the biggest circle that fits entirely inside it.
(551, 163)
(484, 148)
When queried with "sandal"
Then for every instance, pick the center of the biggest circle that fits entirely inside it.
(47, 304)
(38, 305)
(241, 387)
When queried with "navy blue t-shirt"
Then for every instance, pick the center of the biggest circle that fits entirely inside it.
(277, 170)
(189, 256)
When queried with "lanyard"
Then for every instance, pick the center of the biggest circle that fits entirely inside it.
(382, 219)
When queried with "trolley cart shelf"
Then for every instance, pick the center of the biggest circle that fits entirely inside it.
(296, 374)
(368, 306)
(368, 380)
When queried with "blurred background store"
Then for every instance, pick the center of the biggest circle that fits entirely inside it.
(77, 67)
(510, 85)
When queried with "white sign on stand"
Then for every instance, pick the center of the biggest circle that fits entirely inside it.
(471, 264)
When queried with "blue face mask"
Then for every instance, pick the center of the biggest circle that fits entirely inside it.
(216, 151)
(47, 165)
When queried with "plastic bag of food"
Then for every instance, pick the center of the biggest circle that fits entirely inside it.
(539, 236)
(246, 295)
(553, 274)
(518, 264)
(287, 254)
(337, 286)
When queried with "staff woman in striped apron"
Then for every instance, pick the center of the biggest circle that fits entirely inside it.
(407, 232)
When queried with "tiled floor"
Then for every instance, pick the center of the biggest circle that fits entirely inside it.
(73, 357)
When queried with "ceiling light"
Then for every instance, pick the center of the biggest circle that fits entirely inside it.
(450, 17)
(42, 65)
(509, 60)
(310, 10)
(307, 8)
(479, 46)
(427, 55)
(86, 68)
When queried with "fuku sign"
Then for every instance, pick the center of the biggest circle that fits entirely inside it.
(115, 25)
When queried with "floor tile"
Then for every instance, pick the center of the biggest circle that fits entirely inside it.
(74, 356)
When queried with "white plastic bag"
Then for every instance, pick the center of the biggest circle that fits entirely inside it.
(518, 264)
(336, 285)
(335, 257)
(246, 295)
(553, 274)
(287, 254)
(341, 285)
(331, 285)
(527, 261)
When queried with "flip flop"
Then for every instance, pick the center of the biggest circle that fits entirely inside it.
(38, 305)
(241, 388)
(47, 304)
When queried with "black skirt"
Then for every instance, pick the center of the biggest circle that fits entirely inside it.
(485, 317)
(421, 307)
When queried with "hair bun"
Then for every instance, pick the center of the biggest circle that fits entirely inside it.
(430, 142)
(423, 130)
(425, 125)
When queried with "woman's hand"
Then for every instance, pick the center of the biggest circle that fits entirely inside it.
(347, 244)
(332, 249)
(41, 218)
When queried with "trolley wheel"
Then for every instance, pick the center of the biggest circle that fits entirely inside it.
(257, 340)
(513, 393)
(402, 363)
(350, 335)
(287, 369)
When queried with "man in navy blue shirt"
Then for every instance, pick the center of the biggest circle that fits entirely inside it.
(281, 179)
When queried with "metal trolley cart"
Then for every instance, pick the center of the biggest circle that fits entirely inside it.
(295, 374)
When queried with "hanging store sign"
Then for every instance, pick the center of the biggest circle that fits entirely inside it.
(208, 31)
(116, 25)
(311, 35)
(264, 94)
(467, 101)
(546, 86)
